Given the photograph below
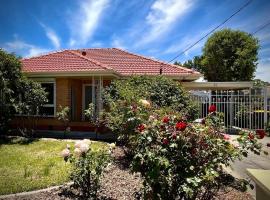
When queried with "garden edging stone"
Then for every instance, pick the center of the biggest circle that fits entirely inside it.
(21, 194)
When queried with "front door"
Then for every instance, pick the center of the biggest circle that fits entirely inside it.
(88, 95)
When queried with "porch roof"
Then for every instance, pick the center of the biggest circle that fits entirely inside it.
(217, 85)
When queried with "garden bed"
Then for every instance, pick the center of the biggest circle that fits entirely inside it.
(119, 183)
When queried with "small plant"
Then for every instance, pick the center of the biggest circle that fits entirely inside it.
(96, 119)
(63, 116)
(27, 172)
(90, 113)
(88, 166)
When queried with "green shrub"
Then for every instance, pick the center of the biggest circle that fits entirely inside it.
(18, 95)
(126, 103)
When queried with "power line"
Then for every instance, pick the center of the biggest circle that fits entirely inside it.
(261, 28)
(241, 8)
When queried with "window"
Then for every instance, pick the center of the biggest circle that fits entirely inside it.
(48, 109)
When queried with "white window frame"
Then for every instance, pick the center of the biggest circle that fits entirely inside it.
(54, 99)
(97, 101)
(40, 81)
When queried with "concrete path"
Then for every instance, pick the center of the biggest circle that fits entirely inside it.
(252, 161)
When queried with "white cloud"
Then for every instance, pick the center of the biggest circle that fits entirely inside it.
(163, 14)
(53, 37)
(85, 20)
(117, 43)
(263, 70)
(24, 49)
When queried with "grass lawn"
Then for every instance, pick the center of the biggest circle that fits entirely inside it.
(29, 165)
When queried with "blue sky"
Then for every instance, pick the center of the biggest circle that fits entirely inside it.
(155, 28)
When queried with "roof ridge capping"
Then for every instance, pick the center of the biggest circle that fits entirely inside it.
(155, 60)
(91, 60)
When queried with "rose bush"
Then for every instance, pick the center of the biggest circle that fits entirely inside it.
(183, 160)
(131, 102)
(88, 166)
(177, 158)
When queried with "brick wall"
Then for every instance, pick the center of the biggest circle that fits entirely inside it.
(63, 98)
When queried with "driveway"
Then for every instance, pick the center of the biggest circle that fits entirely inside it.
(252, 161)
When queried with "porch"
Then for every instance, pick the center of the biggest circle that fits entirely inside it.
(76, 93)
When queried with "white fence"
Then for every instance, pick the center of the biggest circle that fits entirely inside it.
(248, 109)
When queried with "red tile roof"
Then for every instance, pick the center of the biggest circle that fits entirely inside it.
(101, 60)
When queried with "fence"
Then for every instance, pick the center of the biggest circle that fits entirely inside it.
(247, 109)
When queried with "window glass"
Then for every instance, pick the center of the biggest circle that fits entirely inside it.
(49, 89)
(48, 108)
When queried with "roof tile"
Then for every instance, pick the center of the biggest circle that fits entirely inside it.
(120, 61)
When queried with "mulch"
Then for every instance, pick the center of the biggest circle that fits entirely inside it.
(118, 183)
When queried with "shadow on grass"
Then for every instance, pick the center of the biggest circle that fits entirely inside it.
(9, 140)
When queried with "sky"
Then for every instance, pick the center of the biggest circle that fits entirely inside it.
(156, 28)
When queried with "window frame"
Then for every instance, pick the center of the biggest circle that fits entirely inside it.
(40, 81)
(53, 105)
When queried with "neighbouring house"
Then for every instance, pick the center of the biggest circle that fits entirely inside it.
(74, 78)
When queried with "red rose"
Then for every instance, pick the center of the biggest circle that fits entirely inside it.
(250, 136)
(181, 126)
(212, 108)
(260, 134)
(141, 127)
(165, 141)
(174, 135)
(166, 119)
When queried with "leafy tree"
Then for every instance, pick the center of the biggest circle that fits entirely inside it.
(17, 93)
(195, 63)
(259, 83)
(177, 63)
(230, 55)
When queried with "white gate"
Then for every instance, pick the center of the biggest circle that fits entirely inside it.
(247, 109)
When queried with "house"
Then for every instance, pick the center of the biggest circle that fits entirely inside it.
(74, 78)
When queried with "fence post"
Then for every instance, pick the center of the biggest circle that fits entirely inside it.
(250, 114)
(231, 108)
(209, 100)
(265, 107)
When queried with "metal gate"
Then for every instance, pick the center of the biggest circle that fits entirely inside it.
(246, 109)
